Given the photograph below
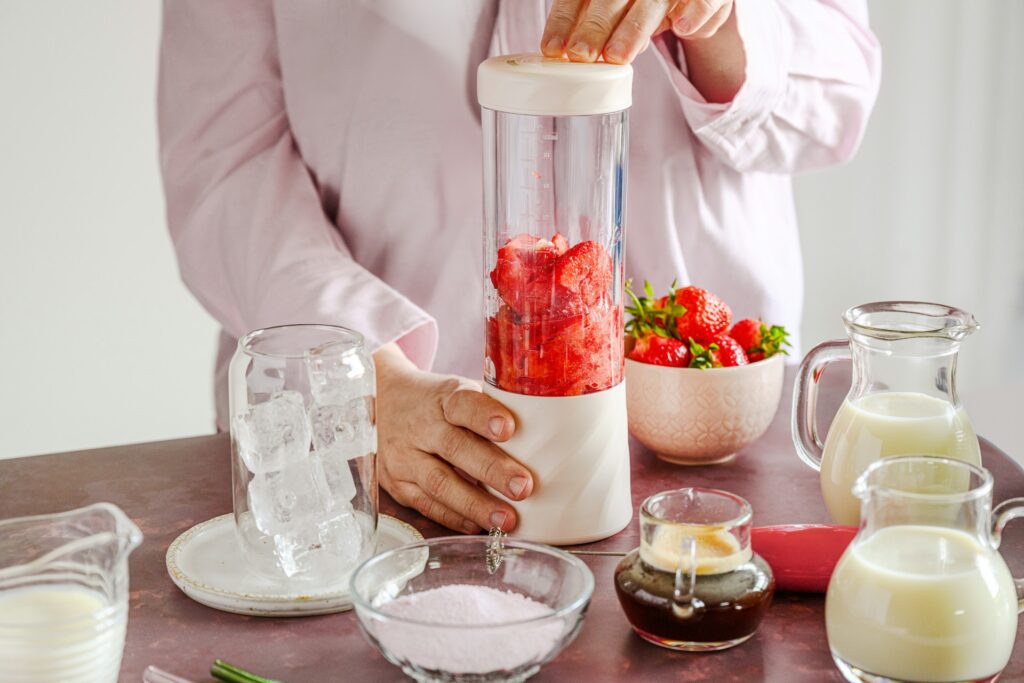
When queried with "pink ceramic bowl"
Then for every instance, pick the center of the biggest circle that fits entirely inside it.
(699, 417)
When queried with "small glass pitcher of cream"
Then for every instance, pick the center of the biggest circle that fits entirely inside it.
(64, 594)
(922, 593)
(694, 583)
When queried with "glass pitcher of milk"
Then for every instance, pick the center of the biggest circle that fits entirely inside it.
(903, 399)
(64, 595)
(921, 594)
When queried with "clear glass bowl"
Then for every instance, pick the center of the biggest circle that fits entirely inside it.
(437, 644)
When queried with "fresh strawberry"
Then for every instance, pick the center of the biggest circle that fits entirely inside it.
(748, 333)
(706, 315)
(729, 353)
(759, 340)
(657, 350)
(722, 352)
(584, 271)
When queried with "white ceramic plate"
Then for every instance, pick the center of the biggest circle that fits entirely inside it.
(205, 563)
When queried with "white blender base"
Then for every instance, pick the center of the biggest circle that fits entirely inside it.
(577, 448)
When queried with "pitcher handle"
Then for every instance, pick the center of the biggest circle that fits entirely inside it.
(685, 603)
(805, 399)
(1002, 514)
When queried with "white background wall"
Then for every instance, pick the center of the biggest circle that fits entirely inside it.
(99, 341)
(101, 344)
(932, 208)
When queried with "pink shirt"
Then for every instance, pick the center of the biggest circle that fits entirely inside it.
(322, 160)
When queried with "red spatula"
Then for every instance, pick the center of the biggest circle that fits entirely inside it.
(802, 556)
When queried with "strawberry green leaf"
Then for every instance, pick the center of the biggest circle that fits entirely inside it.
(700, 357)
(773, 339)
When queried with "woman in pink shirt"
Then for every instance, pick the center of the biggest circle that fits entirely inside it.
(322, 161)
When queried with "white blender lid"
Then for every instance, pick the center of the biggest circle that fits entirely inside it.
(534, 84)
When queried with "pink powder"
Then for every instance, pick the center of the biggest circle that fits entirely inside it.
(453, 643)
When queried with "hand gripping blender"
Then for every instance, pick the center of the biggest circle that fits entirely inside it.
(555, 137)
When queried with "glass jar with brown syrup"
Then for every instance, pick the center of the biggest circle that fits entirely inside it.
(694, 583)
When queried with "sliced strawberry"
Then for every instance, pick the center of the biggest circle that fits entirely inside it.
(536, 297)
(585, 355)
(522, 259)
(501, 341)
(549, 370)
(529, 248)
(585, 270)
(603, 341)
(660, 351)
(543, 328)
(557, 332)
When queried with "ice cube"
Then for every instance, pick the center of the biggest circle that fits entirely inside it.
(341, 537)
(272, 434)
(295, 549)
(264, 377)
(338, 474)
(336, 377)
(327, 549)
(293, 496)
(346, 430)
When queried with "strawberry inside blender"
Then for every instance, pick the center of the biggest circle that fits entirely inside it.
(556, 331)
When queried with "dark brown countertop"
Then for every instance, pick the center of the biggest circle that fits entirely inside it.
(167, 487)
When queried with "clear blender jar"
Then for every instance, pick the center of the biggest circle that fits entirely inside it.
(555, 138)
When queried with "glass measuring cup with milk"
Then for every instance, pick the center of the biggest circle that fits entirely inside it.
(921, 594)
(903, 399)
(64, 595)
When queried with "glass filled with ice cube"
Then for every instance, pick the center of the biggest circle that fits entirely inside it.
(304, 448)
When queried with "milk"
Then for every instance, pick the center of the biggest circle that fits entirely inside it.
(59, 633)
(883, 424)
(922, 603)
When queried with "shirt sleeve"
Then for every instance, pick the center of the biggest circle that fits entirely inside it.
(812, 76)
(252, 239)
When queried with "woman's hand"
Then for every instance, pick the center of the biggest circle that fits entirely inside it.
(619, 30)
(428, 425)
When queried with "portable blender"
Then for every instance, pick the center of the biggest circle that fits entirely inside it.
(555, 137)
